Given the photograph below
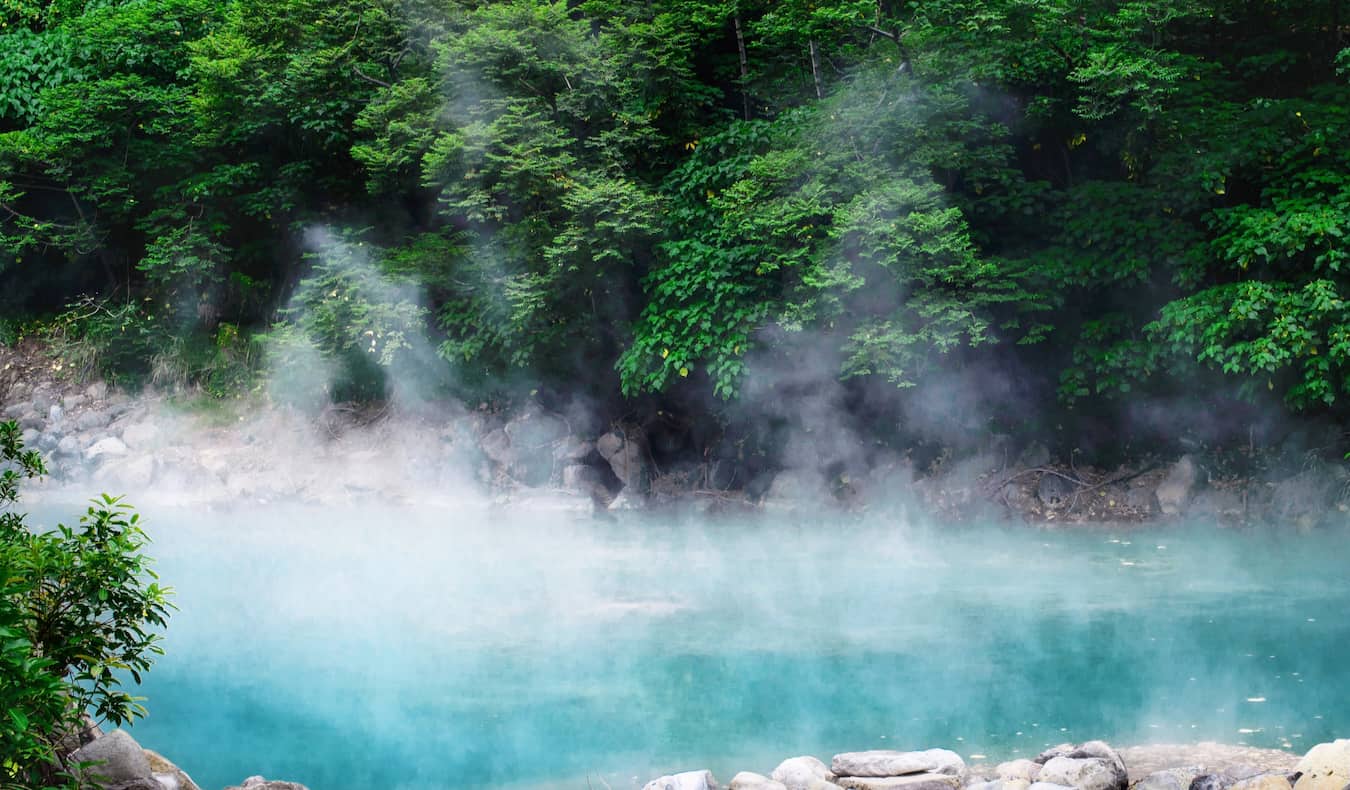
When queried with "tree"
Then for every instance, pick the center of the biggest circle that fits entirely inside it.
(79, 609)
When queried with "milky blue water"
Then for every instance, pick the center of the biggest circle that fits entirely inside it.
(395, 648)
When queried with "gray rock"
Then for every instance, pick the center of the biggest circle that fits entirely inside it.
(1018, 769)
(689, 780)
(625, 454)
(884, 762)
(1054, 491)
(532, 432)
(797, 773)
(141, 435)
(111, 446)
(924, 781)
(92, 420)
(794, 488)
(96, 391)
(55, 414)
(583, 478)
(1034, 455)
(134, 474)
(42, 400)
(496, 445)
(1169, 779)
(68, 445)
(1210, 782)
(31, 419)
(48, 442)
(1048, 786)
(1174, 492)
(259, 783)
(169, 776)
(73, 401)
(29, 437)
(1085, 773)
(745, 780)
(573, 449)
(1262, 782)
(120, 759)
(15, 410)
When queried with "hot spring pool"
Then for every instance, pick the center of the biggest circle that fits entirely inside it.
(395, 648)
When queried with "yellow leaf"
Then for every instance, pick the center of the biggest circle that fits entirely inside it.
(684, 372)
(665, 352)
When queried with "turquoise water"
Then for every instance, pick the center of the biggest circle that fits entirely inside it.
(393, 648)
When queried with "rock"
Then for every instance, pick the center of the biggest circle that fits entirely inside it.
(1048, 786)
(1055, 491)
(746, 780)
(1169, 779)
(143, 783)
(73, 401)
(96, 391)
(29, 437)
(793, 488)
(1018, 769)
(689, 780)
(135, 474)
(532, 432)
(1085, 773)
(120, 759)
(111, 446)
(1205, 757)
(583, 478)
(1174, 492)
(797, 773)
(625, 502)
(92, 420)
(625, 454)
(55, 414)
(31, 419)
(48, 442)
(496, 445)
(923, 781)
(1325, 767)
(68, 445)
(259, 783)
(1034, 455)
(169, 776)
(1262, 782)
(884, 762)
(1210, 782)
(141, 435)
(15, 410)
(573, 449)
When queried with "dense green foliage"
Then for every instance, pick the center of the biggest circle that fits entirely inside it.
(1106, 198)
(79, 609)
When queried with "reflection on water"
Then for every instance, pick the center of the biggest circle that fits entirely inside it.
(402, 649)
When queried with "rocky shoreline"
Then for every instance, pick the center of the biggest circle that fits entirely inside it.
(200, 452)
(1093, 765)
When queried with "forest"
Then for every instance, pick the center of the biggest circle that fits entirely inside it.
(1072, 206)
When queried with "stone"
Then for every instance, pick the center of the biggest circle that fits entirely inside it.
(15, 410)
(1048, 786)
(73, 401)
(48, 442)
(797, 773)
(496, 445)
(689, 780)
(923, 781)
(1018, 769)
(1210, 782)
(573, 449)
(259, 783)
(68, 445)
(120, 759)
(583, 478)
(29, 437)
(1169, 779)
(111, 446)
(1174, 492)
(535, 431)
(134, 474)
(1085, 773)
(745, 780)
(793, 488)
(624, 453)
(55, 414)
(1326, 766)
(885, 762)
(169, 776)
(92, 420)
(1262, 782)
(96, 391)
(31, 419)
(1054, 491)
(141, 435)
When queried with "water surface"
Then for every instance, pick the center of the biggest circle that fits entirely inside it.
(471, 648)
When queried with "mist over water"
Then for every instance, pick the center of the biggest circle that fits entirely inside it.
(426, 648)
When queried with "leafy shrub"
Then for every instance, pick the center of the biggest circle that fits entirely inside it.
(79, 607)
(108, 338)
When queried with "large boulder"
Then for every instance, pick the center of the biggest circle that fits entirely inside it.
(1085, 773)
(141, 435)
(745, 780)
(799, 773)
(1018, 769)
(110, 446)
(1174, 492)
(625, 453)
(117, 759)
(1168, 779)
(1325, 767)
(259, 783)
(1262, 782)
(92, 420)
(885, 762)
(169, 776)
(689, 780)
(921, 781)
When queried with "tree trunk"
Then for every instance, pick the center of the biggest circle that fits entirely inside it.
(815, 68)
(745, 65)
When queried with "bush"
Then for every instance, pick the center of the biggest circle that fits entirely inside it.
(79, 607)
